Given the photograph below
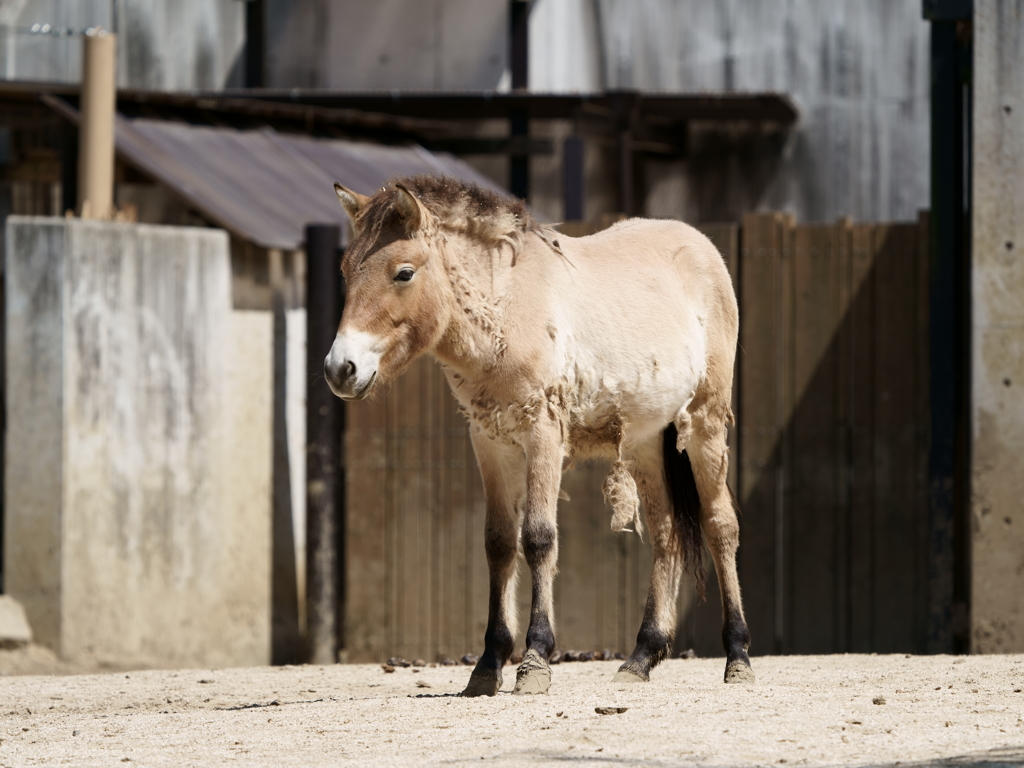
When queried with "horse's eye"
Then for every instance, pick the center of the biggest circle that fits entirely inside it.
(405, 275)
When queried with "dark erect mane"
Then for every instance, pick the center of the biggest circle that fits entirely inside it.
(460, 206)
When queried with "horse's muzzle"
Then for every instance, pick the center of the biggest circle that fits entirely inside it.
(351, 368)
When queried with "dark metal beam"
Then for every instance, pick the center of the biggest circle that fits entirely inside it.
(325, 476)
(949, 316)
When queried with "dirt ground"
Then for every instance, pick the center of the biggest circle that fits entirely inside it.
(803, 710)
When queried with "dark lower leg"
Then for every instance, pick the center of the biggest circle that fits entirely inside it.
(654, 641)
(500, 635)
(653, 645)
(540, 547)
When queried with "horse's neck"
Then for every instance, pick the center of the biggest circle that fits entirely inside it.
(475, 337)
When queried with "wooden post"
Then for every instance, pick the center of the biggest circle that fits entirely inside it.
(96, 132)
(325, 477)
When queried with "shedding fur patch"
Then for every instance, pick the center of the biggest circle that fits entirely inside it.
(620, 492)
(684, 429)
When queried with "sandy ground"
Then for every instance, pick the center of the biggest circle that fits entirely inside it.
(809, 710)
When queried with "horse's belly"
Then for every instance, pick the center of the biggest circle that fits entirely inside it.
(619, 414)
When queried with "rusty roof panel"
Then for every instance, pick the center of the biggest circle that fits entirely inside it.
(266, 186)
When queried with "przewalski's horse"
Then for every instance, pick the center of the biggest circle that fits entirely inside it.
(619, 345)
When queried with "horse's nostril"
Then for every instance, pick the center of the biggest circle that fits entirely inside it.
(349, 369)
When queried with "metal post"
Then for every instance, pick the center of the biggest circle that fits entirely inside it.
(949, 313)
(572, 184)
(96, 131)
(255, 41)
(519, 121)
(325, 477)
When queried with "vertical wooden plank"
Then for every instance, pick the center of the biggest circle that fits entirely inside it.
(366, 561)
(582, 561)
(760, 262)
(922, 422)
(861, 443)
(895, 439)
(785, 405)
(841, 245)
(813, 510)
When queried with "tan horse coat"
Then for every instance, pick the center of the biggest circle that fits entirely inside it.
(557, 349)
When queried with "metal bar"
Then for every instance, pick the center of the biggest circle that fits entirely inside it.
(325, 477)
(572, 185)
(255, 42)
(948, 354)
(519, 43)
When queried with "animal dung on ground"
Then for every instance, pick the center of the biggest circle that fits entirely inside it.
(446, 662)
(610, 710)
(419, 663)
(396, 661)
(689, 653)
(470, 659)
(387, 667)
(878, 700)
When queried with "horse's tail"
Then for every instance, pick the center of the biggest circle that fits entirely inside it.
(682, 488)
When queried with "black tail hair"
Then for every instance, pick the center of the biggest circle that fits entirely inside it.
(682, 488)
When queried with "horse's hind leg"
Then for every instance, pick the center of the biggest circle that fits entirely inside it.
(654, 641)
(710, 461)
(502, 472)
(540, 547)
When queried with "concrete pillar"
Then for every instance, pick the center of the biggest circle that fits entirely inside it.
(997, 376)
(138, 447)
(96, 131)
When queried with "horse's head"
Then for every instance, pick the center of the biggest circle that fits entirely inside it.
(395, 303)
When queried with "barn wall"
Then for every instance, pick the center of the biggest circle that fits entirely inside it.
(138, 445)
(997, 428)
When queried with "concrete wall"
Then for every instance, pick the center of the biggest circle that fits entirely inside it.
(138, 445)
(997, 483)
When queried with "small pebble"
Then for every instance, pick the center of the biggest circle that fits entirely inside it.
(587, 656)
(422, 684)
(470, 659)
(878, 700)
(689, 653)
(396, 661)
(387, 667)
(75, 733)
(610, 710)
(419, 663)
(446, 662)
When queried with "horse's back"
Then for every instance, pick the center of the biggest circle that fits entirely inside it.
(638, 252)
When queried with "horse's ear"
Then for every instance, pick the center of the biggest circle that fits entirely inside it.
(351, 202)
(409, 207)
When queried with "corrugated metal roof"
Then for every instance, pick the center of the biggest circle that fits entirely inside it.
(266, 186)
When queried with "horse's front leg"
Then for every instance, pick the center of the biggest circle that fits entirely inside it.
(502, 471)
(540, 547)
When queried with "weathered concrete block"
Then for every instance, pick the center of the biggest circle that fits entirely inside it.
(14, 629)
(137, 477)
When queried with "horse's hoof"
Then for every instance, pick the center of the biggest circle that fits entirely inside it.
(486, 684)
(739, 671)
(625, 675)
(533, 675)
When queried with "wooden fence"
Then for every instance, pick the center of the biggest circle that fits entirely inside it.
(829, 456)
